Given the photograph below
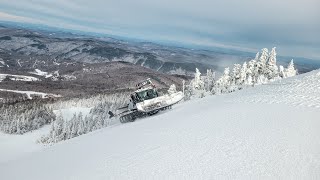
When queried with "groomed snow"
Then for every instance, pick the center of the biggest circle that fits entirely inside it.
(267, 132)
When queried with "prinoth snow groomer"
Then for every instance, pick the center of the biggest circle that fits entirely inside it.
(145, 101)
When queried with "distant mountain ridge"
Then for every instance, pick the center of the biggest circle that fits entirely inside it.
(28, 46)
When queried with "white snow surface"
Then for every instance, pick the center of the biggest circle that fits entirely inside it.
(41, 73)
(17, 146)
(267, 132)
(18, 77)
(29, 93)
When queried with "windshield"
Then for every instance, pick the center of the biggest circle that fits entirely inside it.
(147, 94)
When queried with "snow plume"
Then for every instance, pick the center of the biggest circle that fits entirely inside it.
(260, 70)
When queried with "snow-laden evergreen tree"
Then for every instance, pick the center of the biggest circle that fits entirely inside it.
(243, 74)
(196, 87)
(290, 70)
(62, 129)
(281, 72)
(262, 63)
(57, 129)
(260, 70)
(74, 126)
(236, 75)
(21, 117)
(250, 80)
(172, 89)
(197, 83)
(264, 56)
(257, 57)
(183, 86)
(223, 83)
(272, 68)
(209, 80)
(80, 128)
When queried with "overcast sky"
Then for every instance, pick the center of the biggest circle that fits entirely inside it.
(293, 26)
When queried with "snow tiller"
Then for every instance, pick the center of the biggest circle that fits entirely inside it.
(145, 101)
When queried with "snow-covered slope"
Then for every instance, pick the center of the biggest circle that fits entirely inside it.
(29, 94)
(16, 146)
(267, 132)
(41, 73)
(18, 77)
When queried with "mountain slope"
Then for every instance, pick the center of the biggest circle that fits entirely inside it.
(27, 49)
(87, 79)
(267, 132)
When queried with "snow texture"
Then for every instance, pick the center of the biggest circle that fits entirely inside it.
(41, 73)
(267, 132)
(14, 146)
(30, 93)
(18, 77)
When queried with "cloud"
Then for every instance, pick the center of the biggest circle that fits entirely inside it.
(9, 17)
(246, 24)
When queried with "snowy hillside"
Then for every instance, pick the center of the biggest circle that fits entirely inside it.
(30, 94)
(17, 77)
(270, 131)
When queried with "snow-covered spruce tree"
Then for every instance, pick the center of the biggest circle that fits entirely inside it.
(260, 70)
(59, 129)
(235, 81)
(63, 129)
(243, 74)
(259, 66)
(290, 70)
(281, 72)
(272, 68)
(197, 83)
(183, 86)
(223, 83)
(23, 117)
(262, 63)
(172, 89)
(209, 80)
(250, 80)
(257, 57)
(196, 87)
